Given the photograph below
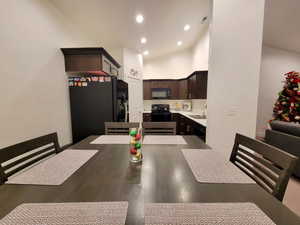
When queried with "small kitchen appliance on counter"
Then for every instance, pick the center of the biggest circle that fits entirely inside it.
(187, 106)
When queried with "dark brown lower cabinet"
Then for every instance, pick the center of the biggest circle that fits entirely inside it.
(184, 125)
(147, 117)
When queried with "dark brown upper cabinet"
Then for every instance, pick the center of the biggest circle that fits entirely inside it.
(183, 89)
(147, 90)
(170, 84)
(197, 85)
(192, 87)
(90, 60)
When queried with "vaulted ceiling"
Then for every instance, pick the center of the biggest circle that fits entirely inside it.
(282, 24)
(112, 22)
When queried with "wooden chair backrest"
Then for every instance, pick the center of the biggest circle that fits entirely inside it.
(159, 128)
(17, 157)
(119, 128)
(269, 166)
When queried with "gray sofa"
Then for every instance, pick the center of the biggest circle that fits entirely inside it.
(285, 136)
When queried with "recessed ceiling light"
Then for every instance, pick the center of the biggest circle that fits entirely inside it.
(146, 52)
(139, 18)
(179, 43)
(187, 27)
(143, 40)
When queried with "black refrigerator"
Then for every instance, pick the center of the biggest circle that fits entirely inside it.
(95, 100)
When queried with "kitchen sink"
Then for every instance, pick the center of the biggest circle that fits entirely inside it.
(198, 117)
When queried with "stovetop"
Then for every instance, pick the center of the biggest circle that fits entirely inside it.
(160, 108)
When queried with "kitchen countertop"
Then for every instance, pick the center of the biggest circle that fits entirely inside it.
(202, 122)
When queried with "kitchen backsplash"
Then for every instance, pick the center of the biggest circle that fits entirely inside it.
(198, 105)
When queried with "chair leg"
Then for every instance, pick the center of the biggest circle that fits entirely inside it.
(3, 180)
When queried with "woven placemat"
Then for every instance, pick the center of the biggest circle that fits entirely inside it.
(55, 170)
(164, 140)
(112, 139)
(97, 213)
(205, 214)
(209, 166)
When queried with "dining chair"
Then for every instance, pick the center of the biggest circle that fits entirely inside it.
(269, 166)
(159, 128)
(19, 156)
(119, 128)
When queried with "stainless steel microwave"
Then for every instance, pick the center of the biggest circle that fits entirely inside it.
(160, 93)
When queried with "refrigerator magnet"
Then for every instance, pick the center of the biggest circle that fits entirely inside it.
(95, 79)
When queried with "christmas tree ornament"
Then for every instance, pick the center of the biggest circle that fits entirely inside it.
(133, 132)
(138, 137)
(133, 151)
(135, 145)
(138, 145)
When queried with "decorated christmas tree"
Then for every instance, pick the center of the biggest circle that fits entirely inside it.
(287, 106)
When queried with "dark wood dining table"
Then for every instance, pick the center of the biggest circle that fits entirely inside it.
(163, 177)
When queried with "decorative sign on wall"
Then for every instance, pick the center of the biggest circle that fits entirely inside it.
(135, 74)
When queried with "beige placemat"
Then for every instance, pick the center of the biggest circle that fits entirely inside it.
(55, 170)
(205, 214)
(164, 140)
(209, 166)
(112, 139)
(96, 213)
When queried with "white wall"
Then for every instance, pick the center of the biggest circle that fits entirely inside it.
(182, 63)
(234, 69)
(200, 52)
(171, 66)
(34, 92)
(275, 63)
(133, 60)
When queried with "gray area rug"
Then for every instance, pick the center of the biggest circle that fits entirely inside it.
(205, 214)
(55, 170)
(164, 140)
(112, 139)
(97, 213)
(209, 166)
